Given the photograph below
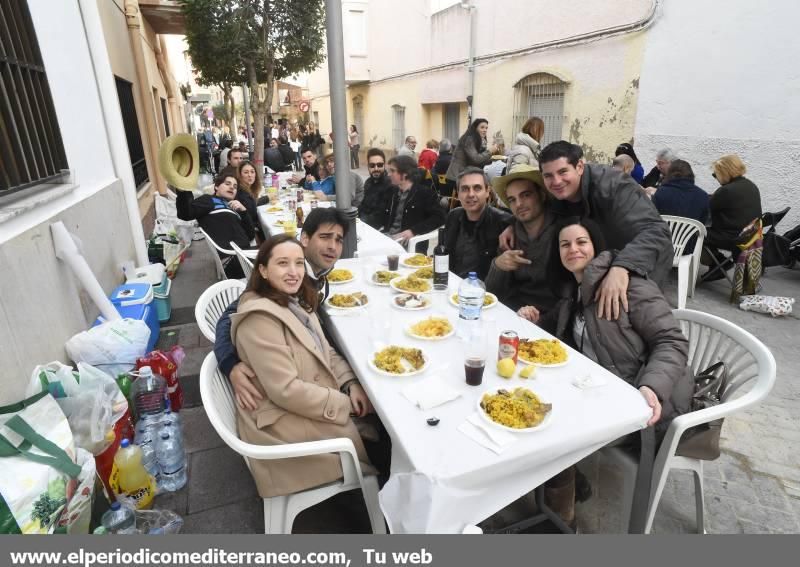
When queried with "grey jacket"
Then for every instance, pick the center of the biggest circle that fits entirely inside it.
(466, 155)
(525, 150)
(629, 221)
(644, 347)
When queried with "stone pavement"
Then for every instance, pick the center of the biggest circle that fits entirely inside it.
(754, 487)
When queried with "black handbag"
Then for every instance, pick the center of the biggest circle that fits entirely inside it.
(702, 441)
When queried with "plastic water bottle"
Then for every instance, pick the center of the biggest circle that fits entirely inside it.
(470, 303)
(119, 520)
(148, 393)
(170, 415)
(146, 434)
(171, 461)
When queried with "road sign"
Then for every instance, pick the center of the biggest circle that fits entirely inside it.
(304, 106)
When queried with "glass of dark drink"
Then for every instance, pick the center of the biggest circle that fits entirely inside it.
(393, 261)
(475, 357)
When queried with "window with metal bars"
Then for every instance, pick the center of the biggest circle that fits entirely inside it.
(542, 95)
(31, 149)
(132, 135)
(398, 126)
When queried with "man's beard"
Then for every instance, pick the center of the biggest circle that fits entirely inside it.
(376, 176)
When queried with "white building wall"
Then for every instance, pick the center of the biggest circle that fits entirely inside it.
(724, 78)
(41, 303)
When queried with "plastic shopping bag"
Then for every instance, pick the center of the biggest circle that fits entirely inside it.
(113, 346)
(80, 496)
(90, 398)
(37, 456)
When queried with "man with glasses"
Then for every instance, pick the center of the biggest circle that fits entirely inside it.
(377, 190)
(407, 149)
(472, 230)
(357, 193)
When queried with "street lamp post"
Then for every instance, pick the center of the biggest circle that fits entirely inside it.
(470, 6)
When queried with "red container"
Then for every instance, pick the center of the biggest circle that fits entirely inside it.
(509, 346)
(167, 364)
(104, 462)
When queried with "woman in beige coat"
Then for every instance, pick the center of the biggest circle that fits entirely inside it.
(309, 392)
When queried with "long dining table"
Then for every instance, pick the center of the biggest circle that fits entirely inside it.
(443, 479)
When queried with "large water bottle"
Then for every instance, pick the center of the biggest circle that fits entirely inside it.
(119, 520)
(147, 430)
(470, 303)
(171, 461)
(170, 415)
(148, 393)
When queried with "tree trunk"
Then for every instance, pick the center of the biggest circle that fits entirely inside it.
(259, 105)
(230, 109)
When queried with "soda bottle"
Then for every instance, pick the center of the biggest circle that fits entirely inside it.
(119, 520)
(171, 461)
(148, 393)
(470, 303)
(299, 217)
(124, 383)
(132, 476)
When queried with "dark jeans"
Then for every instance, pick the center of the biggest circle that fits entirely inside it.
(354, 156)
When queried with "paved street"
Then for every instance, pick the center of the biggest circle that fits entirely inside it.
(754, 487)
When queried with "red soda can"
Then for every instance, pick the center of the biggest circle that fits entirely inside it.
(509, 346)
(300, 195)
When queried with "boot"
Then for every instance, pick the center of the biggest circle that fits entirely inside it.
(559, 494)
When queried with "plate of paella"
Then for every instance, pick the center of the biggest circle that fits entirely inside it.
(517, 410)
(347, 301)
(384, 277)
(416, 261)
(340, 276)
(410, 284)
(395, 360)
(431, 329)
(547, 353)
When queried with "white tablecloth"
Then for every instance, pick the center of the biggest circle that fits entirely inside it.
(370, 241)
(441, 480)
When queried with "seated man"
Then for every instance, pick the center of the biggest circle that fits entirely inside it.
(377, 190)
(472, 230)
(623, 163)
(311, 166)
(519, 277)
(322, 238)
(679, 196)
(412, 208)
(224, 219)
(328, 193)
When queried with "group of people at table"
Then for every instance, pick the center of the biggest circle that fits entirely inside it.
(579, 249)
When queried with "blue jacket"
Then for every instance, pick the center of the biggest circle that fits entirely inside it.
(327, 185)
(682, 198)
(638, 173)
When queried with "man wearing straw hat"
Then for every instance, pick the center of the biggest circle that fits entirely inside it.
(518, 276)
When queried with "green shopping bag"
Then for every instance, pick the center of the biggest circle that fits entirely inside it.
(37, 456)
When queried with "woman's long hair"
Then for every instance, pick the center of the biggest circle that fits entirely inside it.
(471, 135)
(306, 295)
(534, 127)
(255, 188)
(560, 278)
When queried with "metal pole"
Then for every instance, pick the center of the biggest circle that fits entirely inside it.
(471, 64)
(341, 148)
(246, 102)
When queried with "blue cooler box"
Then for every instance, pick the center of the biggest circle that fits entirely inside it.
(155, 275)
(135, 301)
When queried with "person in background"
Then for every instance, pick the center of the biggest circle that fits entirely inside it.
(296, 143)
(224, 218)
(472, 149)
(311, 167)
(407, 149)
(472, 230)
(412, 208)
(526, 147)
(446, 188)
(637, 172)
(377, 190)
(223, 155)
(624, 164)
(325, 188)
(734, 205)
(327, 191)
(519, 277)
(286, 152)
(355, 146)
(273, 158)
(653, 180)
(250, 188)
(308, 391)
(236, 156)
(429, 156)
(679, 196)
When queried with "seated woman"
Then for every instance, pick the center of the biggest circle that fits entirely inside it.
(222, 216)
(644, 346)
(308, 391)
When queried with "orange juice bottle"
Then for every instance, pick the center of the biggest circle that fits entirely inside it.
(132, 477)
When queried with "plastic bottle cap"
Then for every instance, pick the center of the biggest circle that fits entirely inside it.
(472, 275)
(145, 371)
(115, 506)
(165, 435)
(125, 444)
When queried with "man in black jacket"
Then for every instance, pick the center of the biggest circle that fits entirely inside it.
(311, 166)
(472, 230)
(377, 190)
(412, 209)
(628, 219)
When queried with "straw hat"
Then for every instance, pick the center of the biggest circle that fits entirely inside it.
(179, 161)
(518, 171)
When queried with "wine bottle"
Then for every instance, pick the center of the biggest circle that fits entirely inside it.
(441, 264)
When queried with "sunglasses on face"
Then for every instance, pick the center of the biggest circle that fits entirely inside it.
(376, 165)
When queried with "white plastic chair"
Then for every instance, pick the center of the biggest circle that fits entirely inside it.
(213, 302)
(215, 251)
(747, 360)
(683, 229)
(245, 262)
(432, 237)
(280, 511)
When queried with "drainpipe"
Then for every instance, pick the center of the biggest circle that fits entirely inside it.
(470, 6)
(68, 251)
(112, 120)
(146, 96)
(166, 78)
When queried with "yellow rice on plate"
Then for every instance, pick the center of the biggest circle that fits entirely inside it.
(390, 359)
(518, 409)
(432, 327)
(413, 284)
(348, 300)
(340, 275)
(542, 351)
(418, 260)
